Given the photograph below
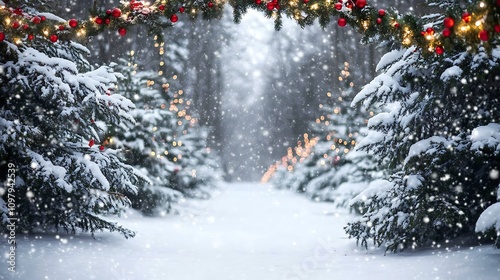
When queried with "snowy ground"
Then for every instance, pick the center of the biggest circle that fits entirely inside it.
(247, 231)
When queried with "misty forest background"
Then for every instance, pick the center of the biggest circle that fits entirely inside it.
(257, 88)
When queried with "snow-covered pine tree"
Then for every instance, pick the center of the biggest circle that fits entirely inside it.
(199, 168)
(342, 172)
(145, 144)
(436, 135)
(332, 170)
(53, 112)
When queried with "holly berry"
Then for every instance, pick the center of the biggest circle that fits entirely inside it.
(2, 36)
(210, 4)
(483, 35)
(116, 13)
(31, 37)
(16, 24)
(182, 9)
(439, 50)
(98, 20)
(449, 22)
(381, 12)
(342, 22)
(101, 148)
(161, 7)
(466, 17)
(497, 28)
(361, 4)
(91, 143)
(122, 31)
(53, 38)
(36, 20)
(446, 32)
(379, 20)
(73, 23)
(107, 21)
(174, 18)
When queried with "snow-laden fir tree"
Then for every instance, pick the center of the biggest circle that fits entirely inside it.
(332, 170)
(166, 142)
(199, 168)
(145, 144)
(53, 112)
(437, 137)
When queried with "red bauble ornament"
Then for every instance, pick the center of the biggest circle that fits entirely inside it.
(182, 10)
(379, 20)
(36, 20)
(53, 38)
(466, 17)
(25, 26)
(101, 148)
(497, 28)
(446, 32)
(258, 2)
(429, 31)
(381, 12)
(449, 22)
(98, 20)
(73, 23)
(16, 24)
(107, 21)
(484, 35)
(174, 18)
(270, 6)
(338, 6)
(439, 50)
(61, 27)
(342, 22)
(161, 7)
(2, 36)
(122, 31)
(396, 25)
(210, 4)
(43, 18)
(306, 1)
(498, 2)
(361, 4)
(109, 12)
(91, 143)
(18, 11)
(349, 4)
(31, 37)
(116, 13)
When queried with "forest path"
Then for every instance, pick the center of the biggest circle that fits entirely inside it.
(246, 231)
